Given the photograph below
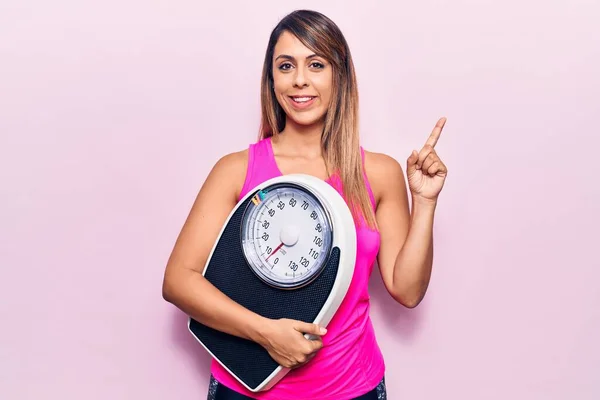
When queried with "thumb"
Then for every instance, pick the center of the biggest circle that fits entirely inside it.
(412, 159)
(314, 329)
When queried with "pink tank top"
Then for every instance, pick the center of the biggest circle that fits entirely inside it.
(350, 363)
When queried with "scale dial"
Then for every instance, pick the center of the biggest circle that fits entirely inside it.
(286, 235)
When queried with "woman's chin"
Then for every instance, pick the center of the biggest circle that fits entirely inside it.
(306, 121)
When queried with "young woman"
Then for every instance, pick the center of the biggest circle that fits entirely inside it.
(310, 125)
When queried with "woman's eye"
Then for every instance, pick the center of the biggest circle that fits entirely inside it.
(285, 66)
(317, 65)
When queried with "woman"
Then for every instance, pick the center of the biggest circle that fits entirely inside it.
(310, 125)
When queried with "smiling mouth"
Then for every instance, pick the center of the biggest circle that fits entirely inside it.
(302, 99)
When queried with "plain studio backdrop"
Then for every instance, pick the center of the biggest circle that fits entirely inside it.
(113, 113)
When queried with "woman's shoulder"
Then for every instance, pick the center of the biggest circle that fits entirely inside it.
(380, 162)
(381, 168)
(234, 161)
(230, 170)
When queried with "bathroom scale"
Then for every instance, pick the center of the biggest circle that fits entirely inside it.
(286, 250)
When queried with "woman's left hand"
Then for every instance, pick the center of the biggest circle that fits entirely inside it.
(425, 170)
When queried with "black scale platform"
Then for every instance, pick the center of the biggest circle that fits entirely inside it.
(229, 271)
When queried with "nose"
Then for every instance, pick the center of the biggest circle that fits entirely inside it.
(300, 79)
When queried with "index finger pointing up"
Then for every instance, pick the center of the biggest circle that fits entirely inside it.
(437, 131)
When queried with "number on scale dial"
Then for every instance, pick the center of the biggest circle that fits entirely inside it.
(286, 235)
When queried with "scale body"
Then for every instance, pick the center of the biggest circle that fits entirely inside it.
(287, 250)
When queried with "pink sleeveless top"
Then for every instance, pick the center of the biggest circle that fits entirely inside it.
(350, 363)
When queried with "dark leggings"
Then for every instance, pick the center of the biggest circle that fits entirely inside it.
(217, 391)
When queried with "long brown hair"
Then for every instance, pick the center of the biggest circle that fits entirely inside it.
(340, 143)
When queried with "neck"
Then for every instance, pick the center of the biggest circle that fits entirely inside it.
(305, 139)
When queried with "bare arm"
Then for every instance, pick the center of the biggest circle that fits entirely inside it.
(183, 285)
(406, 253)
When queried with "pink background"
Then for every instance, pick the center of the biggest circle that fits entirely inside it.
(112, 114)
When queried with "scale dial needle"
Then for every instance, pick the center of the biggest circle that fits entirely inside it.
(275, 251)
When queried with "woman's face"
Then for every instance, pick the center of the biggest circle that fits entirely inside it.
(302, 81)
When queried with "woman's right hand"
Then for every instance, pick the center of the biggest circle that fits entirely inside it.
(285, 341)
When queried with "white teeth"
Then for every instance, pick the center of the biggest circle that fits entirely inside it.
(302, 99)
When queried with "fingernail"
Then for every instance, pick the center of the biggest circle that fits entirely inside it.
(323, 331)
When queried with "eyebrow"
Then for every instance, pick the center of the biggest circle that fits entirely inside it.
(288, 57)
